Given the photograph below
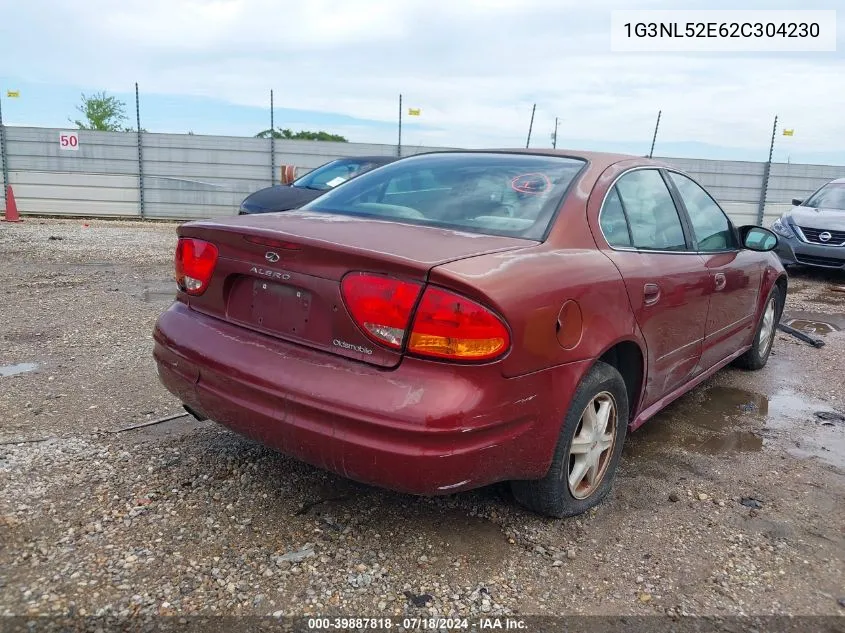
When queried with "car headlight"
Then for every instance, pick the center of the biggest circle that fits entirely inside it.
(781, 227)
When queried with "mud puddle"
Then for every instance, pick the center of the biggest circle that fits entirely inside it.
(810, 429)
(729, 420)
(15, 370)
(814, 322)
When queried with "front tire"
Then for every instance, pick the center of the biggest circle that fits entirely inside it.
(756, 357)
(587, 451)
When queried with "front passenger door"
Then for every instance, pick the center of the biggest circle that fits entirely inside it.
(735, 274)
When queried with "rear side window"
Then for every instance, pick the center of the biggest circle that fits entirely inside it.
(484, 192)
(710, 225)
(614, 226)
(653, 218)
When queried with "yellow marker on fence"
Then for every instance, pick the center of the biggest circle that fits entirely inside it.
(13, 94)
(414, 111)
(788, 132)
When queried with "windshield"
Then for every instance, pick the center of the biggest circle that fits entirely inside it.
(831, 196)
(332, 174)
(494, 193)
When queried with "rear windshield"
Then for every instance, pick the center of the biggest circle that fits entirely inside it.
(831, 196)
(498, 194)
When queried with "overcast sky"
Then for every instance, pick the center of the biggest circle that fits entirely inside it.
(474, 67)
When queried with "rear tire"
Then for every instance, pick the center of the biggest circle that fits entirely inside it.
(756, 357)
(587, 451)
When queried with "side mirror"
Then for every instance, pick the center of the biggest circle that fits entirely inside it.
(756, 238)
(796, 202)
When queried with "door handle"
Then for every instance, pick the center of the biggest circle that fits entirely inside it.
(651, 294)
(721, 281)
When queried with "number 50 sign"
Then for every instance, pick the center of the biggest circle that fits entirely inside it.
(69, 141)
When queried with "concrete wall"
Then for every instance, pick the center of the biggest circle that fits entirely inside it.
(185, 176)
(100, 178)
(193, 176)
(735, 184)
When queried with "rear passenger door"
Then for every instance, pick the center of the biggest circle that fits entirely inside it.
(666, 281)
(735, 274)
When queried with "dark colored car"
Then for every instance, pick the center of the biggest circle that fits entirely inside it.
(813, 232)
(313, 184)
(460, 318)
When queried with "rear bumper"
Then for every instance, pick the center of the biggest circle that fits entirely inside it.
(424, 427)
(794, 251)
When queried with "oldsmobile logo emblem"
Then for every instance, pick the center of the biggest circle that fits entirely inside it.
(271, 257)
(352, 347)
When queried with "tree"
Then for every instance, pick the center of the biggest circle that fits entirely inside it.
(302, 135)
(101, 112)
(269, 133)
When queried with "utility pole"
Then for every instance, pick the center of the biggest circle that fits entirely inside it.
(554, 136)
(272, 142)
(764, 189)
(530, 126)
(654, 138)
(5, 166)
(140, 152)
(399, 144)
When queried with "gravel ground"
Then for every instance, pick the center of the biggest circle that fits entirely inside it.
(730, 502)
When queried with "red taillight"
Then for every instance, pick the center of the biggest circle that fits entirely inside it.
(195, 260)
(380, 305)
(446, 325)
(450, 326)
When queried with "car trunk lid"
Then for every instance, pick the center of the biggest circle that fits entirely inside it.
(280, 273)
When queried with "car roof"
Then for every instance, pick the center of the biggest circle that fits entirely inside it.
(838, 181)
(598, 159)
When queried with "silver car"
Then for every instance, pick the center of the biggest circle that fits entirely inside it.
(812, 233)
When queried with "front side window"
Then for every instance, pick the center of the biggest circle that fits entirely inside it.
(652, 216)
(831, 196)
(484, 192)
(710, 225)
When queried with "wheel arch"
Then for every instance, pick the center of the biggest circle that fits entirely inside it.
(629, 359)
(782, 283)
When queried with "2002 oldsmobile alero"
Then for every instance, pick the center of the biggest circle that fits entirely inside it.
(455, 319)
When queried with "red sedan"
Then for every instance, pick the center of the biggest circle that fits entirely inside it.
(455, 319)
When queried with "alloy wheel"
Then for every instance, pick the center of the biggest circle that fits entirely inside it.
(767, 330)
(592, 445)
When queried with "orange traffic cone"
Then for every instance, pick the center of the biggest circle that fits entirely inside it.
(11, 207)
